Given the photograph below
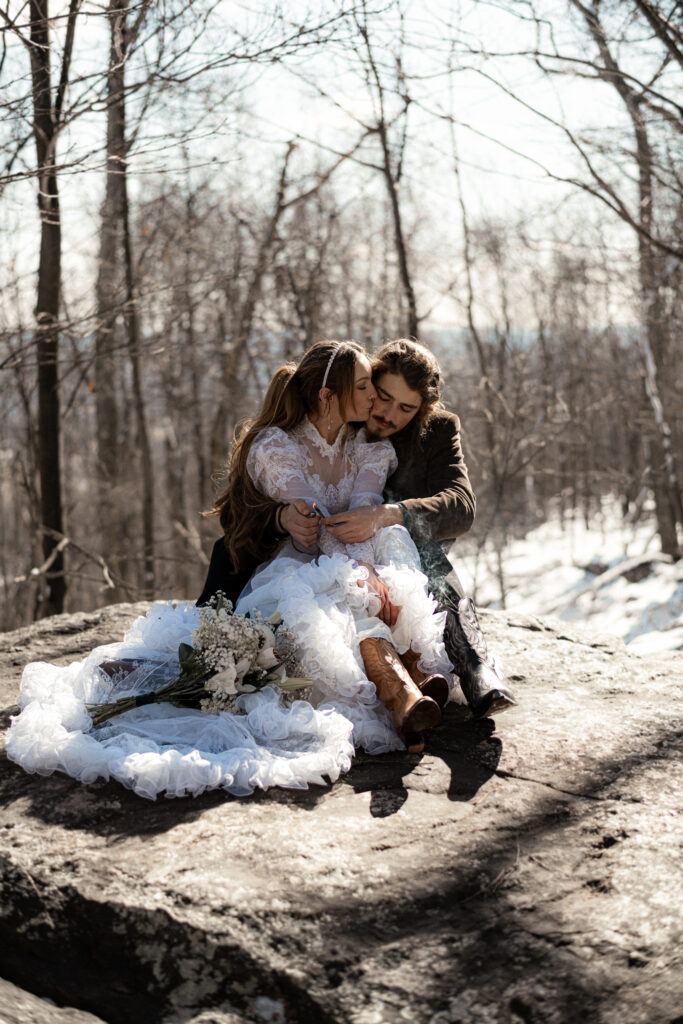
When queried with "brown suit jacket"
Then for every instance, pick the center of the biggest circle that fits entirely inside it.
(431, 481)
(433, 488)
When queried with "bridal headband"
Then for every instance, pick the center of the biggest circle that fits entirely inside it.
(329, 364)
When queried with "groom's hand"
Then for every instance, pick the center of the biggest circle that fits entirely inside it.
(361, 523)
(301, 523)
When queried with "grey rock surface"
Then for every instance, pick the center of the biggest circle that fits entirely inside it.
(19, 1007)
(527, 870)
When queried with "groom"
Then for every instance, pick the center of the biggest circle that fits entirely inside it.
(429, 493)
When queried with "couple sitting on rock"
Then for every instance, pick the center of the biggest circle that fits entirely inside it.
(321, 443)
(338, 496)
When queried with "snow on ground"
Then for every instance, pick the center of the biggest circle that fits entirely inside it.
(546, 574)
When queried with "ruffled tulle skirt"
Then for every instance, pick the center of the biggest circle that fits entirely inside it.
(159, 748)
(325, 602)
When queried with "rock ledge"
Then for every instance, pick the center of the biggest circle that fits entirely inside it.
(527, 871)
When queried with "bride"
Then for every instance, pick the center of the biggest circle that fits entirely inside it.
(376, 684)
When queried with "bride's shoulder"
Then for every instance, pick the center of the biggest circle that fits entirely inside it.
(273, 442)
(274, 435)
(362, 439)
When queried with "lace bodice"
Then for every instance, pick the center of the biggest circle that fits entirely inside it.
(339, 476)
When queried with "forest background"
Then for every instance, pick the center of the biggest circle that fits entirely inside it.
(194, 191)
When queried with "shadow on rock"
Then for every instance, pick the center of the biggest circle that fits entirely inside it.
(109, 809)
(459, 757)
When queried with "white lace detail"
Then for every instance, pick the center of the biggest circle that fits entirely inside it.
(332, 495)
(274, 463)
(301, 465)
(374, 456)
(309, 430)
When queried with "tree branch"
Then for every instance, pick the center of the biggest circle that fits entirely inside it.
(74, 6)
(664, 28)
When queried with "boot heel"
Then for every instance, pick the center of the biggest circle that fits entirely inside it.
(425, 714)
(435, 686)
(414, 742)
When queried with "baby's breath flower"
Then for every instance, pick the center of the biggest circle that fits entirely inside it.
(231, 654)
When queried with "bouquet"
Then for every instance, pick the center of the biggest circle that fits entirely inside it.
(232, 655)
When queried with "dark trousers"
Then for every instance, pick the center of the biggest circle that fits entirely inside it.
(222, 576)
(443, 581)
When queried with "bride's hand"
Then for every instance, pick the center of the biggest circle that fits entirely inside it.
(388, 612)
(300, 523)
(361, 523)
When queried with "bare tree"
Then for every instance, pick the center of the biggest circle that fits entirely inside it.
(392, 158)
(652, 105)
(48, 122)
(654, 340)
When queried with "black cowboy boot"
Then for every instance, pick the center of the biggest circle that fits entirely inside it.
(479, 678)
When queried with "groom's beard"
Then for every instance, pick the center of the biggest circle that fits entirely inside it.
(380, 428)
(373, 434)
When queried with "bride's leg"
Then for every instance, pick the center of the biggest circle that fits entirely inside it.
(411, 711)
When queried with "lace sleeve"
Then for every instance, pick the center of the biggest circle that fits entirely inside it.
(375, 462)
(275, 464)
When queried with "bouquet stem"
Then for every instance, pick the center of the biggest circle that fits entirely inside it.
(185, 690)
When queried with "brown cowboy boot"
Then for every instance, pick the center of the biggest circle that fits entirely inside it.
(435, 686)
(411, 712)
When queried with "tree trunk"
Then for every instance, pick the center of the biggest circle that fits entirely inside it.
(240, 338)
(193, 354)
(133, 329)
(412, 321)
(665, 483)
(392, 174)
(108, 293)
(116, 267)
(47, 308)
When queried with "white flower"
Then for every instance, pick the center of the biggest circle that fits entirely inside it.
(267, 658)
(267, 634)
(243, 666)
(224, 681)
(278, 676)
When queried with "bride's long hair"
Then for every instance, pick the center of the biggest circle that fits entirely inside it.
(293, 393)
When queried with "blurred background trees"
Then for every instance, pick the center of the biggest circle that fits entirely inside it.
(192, 194)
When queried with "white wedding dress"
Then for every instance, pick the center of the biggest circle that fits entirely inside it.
(158, 748)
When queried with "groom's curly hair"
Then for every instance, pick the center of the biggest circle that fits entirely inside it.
(245, 513)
